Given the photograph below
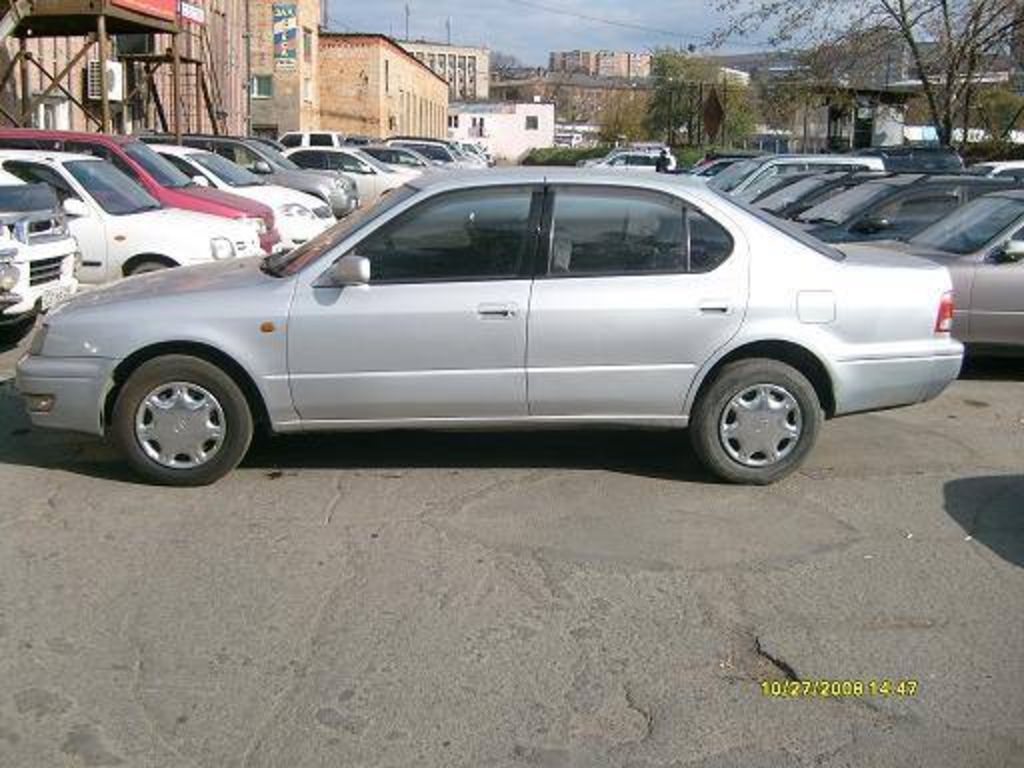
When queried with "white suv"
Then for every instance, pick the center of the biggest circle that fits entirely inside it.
(294, 139)
(37, 254)
(121, 229)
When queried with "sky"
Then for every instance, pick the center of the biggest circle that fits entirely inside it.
(529, 29)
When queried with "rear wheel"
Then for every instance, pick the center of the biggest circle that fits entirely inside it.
(146, 265)
(756, 422)
(180, 420)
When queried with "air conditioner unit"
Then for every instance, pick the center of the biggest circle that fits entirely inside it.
(115, 81)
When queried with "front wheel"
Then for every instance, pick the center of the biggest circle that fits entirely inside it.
(755, 422)
(180, 420)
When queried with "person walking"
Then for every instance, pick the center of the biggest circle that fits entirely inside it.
(663, 164)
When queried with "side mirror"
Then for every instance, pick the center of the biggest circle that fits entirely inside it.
(348, 270)
(1011, 252)
(870, 225)
(262, 166)
(75, 208)
(200, 181)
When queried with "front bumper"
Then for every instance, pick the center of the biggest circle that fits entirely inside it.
(78, 386)
(296, 231)
(874, 383)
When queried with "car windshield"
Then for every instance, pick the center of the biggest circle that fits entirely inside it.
(231, 174)
(276, 158)
(779, 199)
(162, 171)
(843, 206)
(732, 176)
(291, 262)
(973, 226)
(373, 161)
(113, 191)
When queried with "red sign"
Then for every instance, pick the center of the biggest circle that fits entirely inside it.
(158, 9)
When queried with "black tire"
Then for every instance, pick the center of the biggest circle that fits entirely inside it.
(147, 265)
(733, 379)
(11, 333)
(237, 419)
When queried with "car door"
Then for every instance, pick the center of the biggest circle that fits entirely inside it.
(89, 231)
(997, 300)
(439, 332)
(640, 289)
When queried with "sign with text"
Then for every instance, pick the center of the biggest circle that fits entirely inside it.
(286, 35)
(167, 10)
(192, 12)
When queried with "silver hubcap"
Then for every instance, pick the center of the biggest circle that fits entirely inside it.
(180, 425)
(760, 425)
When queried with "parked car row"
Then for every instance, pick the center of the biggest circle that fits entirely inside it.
(971, 223)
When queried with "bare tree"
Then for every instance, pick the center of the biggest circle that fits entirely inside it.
(947, 43)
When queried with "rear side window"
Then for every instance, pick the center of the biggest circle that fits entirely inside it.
(470, 235)
(315, 160)
(608, 231)
(321, 140)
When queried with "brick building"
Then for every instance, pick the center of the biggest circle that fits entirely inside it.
(285, 49)
(371, 86)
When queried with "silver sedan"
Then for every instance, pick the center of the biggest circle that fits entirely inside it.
(512, 299)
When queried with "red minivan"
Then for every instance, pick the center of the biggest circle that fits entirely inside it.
(161, 179)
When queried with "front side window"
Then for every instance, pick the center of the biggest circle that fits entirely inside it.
(314, 160)
(622, 232)
(321, 140)
(466, 235)
(231, 174)
(290, 140)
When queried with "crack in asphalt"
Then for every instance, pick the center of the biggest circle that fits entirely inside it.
(776, 661)
(646, 714)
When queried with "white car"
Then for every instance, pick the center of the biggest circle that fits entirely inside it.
(756, 173)
(312, 139)
(400, 158)
(37, 254)
(1005, 169)
(634, 160)
(372, 177)
(299, 216)
(121, 229)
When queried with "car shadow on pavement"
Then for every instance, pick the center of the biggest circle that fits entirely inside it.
(993, 368)
(990, 510)
(654, 454)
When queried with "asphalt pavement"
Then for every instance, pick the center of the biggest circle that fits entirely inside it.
(551, 599)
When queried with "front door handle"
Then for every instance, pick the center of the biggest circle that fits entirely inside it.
(497, 310)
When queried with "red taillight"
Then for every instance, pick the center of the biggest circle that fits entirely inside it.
(944, 321)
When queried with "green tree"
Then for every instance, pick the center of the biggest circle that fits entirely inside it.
(622, 116)
(675, 104)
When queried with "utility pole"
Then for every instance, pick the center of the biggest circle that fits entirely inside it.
(248, 68)
(448, 28)
(406, 21)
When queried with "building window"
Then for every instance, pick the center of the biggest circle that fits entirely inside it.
(387, 76)
(263, 86)
(307, 45)
(453, 121)
(532, 123)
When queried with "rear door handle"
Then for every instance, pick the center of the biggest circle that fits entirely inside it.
(714, 306)
(497, 310)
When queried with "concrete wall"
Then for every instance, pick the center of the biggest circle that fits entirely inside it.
(502, 128)
(372, 87)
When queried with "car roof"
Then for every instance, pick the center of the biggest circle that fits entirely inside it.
(480, 177)
(45, 155)
(176, 149)
(1015, 193)
(99, 138)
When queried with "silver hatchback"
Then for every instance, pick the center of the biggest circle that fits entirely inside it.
(521, 298)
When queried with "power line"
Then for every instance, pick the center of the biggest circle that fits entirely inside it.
(622, 24)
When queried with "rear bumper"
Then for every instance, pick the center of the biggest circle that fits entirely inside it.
(875, 383)
(78, 386)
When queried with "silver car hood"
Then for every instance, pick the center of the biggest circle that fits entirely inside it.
(215, 277)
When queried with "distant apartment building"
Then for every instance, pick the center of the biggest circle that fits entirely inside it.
(600, 63)
(285, 69)
(577, 98)
(623, 64)
(466, 69)
(371, 86)
(508, 131)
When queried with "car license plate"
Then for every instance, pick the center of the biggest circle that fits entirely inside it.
(53, 297)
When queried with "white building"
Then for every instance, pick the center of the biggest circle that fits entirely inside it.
(508, 130)
(466, 69)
